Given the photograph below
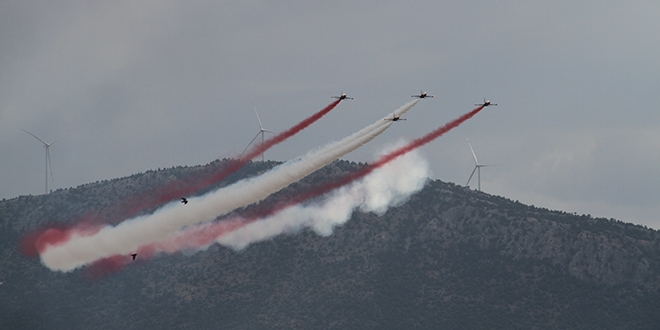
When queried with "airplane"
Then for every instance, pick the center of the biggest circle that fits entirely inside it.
(486, 103)
(395, 118)
(184, 200)
(422, 95)
(134, 255)
(342, 96)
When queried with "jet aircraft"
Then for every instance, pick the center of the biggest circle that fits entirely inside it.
(422, 95)
(342, 96)
(486, 103)
(395, 118)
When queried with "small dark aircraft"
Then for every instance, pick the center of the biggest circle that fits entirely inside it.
(422, 95)
(342, 96)
(184, 200)
(486, 103)
(134, 255)
(395, 118)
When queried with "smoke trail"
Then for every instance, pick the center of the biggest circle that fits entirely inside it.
(126, 237)
(170, 191)
(238, 232)
(174, 190)
(382, 161)
(371, 167)
(388, 186)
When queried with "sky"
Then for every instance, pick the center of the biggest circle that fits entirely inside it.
(131, 86)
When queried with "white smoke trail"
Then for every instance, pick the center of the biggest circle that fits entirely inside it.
(387, 186)
(129, 235)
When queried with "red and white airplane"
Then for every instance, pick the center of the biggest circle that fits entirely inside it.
(422, 95)
(342, 96)
(395, 118)
(486, 103)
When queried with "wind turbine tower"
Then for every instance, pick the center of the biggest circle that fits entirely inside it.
(262, 131)
(48, 164)
(477, 168)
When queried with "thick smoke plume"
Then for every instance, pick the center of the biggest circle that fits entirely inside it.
(175, 189)
(389, 185)
(172, 192)
(78, 249)
(201, 236)
(157, 196)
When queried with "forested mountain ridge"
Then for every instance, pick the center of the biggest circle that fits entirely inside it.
(595, 250)
(448, 258)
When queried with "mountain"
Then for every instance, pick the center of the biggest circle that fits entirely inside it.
(448, 258)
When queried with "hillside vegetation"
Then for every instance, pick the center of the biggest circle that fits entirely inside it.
(449, 258)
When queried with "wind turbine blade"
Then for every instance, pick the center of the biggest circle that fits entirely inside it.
(246, 148)
(63, 135)
(36, 137)
(473, 155)
(259, 119)
(468, 182)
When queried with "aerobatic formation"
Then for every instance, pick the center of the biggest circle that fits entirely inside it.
(195, 222)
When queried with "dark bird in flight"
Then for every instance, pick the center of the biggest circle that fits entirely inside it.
(184, 200)
(134, 255)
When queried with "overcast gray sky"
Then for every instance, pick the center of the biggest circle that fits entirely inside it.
(142, 85)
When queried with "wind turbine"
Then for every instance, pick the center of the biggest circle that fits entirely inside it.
(48, 164)
(477, 167)
(262, 130)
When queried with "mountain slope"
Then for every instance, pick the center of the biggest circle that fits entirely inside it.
(449, 258)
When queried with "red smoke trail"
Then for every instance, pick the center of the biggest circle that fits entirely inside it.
(370, 167)
(34, 242)
(106, 266)
(192, 238)
(203, 235)
(174, 190)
